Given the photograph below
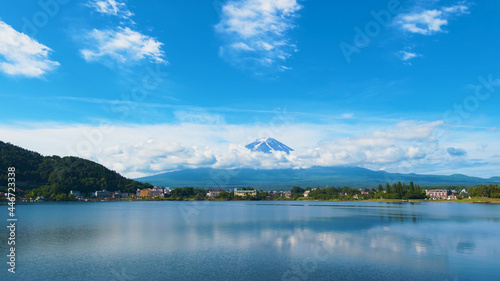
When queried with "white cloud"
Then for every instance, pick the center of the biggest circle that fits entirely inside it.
(406, 56)
(139, 150)
(155, 155)
(428, 22)
(122, 45)
(458, 9)
(255, 32)
(23, 55)
(241, 46)
(415, 153)
(111, 7)
(404, 141)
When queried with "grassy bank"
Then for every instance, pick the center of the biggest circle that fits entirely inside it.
(473, 200)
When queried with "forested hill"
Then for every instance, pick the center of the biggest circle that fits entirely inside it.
(56, 175)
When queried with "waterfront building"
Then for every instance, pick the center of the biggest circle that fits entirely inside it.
(144, 192)
(120, 195)
(244, 192)
(156, 191)
(438, 193)
(212, 193)
(102, 194)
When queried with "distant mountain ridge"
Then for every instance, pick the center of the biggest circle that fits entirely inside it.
(56, 175)
(268, 145)
(281, 179)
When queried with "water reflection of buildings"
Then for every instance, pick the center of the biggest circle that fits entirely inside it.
(400, 217)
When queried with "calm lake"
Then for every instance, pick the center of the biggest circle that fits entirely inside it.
(291, 240)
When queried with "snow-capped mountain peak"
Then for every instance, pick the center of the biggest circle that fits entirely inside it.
(268, 145)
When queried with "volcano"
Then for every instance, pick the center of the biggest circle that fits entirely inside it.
(268, 145)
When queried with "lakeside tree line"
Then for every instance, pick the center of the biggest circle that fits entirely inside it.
(190, 193)
(395, 191)
(490, 191)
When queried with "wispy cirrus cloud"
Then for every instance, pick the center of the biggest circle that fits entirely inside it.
(111, 7)
(123, 45)
(23, 55)
(429, 22)
(255, 32)
(279, 112)
(405, 56)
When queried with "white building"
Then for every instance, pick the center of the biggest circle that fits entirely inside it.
(215, 192)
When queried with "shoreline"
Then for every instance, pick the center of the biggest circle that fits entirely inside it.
(477, 200)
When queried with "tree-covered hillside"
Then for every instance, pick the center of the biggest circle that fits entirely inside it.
(52, 175)
(27, 163)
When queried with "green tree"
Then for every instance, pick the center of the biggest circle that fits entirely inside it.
(297, 190)
(261, 195)
(61, 197)
(224, 195)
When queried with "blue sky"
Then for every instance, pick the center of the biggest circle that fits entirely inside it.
(148, 86)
